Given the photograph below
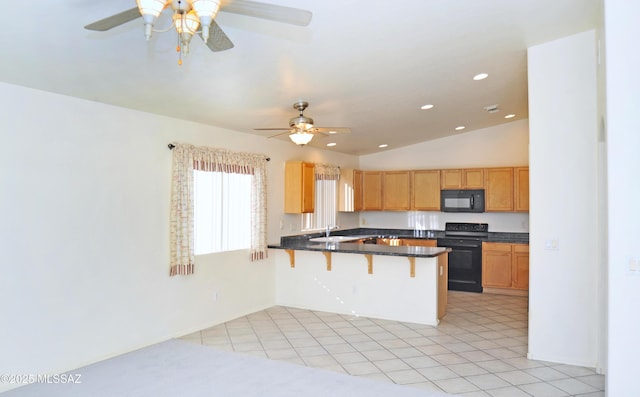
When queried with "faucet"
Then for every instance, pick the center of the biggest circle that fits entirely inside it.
(328, 230)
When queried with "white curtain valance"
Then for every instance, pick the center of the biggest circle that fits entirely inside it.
(327, 172)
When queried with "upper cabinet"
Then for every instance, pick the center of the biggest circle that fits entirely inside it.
(506, 188)
(498, 187)
(371, 190)
(299, 187)
(396, 189)
(425, 192)
(521, 176)
(472, 178)
(451, 179)
(350, 190)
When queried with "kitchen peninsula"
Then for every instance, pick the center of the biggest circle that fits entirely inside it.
(355, 277)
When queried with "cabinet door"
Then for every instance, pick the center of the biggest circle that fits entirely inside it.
(451, 179)
(521, 176)
(350, 190)
(299, 187)
(357, 190)
(425, 192)
(371, 190)
(473, 178)
(520, 266)
(396, 190)
(496, 265)
(498, 189)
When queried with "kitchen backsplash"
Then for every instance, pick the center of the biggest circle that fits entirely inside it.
(432, 220)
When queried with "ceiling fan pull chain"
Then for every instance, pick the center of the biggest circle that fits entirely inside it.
(179, 50)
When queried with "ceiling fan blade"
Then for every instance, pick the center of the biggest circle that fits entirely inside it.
(329, 130)
(218, 40)
(282, 133)
(290, 15)
(114, 20)
(272, 129)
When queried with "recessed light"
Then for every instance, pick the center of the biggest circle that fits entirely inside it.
(331, 144)
(460, 128)
(383, 145)
(333, 132)
(426, 107)
(509, 116)
(480, 76)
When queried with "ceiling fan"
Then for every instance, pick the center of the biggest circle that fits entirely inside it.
(301, 129)
(189, 15)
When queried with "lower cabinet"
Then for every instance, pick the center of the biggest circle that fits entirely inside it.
(520, 266)
(505, 266)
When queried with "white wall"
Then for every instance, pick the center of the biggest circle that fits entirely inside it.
(503, 145)
(563, 297)
(623, 99)
(85, 204)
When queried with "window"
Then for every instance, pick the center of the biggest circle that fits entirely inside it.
(232, 187)
(325, 206)
(326, 199)
(222, 211)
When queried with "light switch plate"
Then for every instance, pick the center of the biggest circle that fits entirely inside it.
(551, 244)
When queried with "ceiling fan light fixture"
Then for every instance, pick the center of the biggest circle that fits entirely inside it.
(186, 23)
(206, 10)
(150, 10)
(301, 138)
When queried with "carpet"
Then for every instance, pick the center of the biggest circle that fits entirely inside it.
(180, 368)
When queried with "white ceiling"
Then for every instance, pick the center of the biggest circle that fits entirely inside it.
(368, 65)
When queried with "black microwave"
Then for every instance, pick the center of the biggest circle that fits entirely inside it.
(462, 200)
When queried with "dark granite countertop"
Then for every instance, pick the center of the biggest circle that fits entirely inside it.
(301, 242)
(367, 249)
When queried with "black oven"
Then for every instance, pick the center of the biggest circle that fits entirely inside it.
(465, 258)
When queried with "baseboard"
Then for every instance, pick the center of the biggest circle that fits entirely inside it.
(505, 291)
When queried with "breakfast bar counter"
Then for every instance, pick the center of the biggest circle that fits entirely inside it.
(401, 283)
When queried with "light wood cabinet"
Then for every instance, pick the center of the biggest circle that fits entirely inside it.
(520, 267)
(357, 190)
(350, 190)
(471, 178)
(425, 191)
(496, 265)
(371, 190)
(451, 179)
(521, 189)
(505, 266)
(396, 191)
(498, 189)
(299, 187)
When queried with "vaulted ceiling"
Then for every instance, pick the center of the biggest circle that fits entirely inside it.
(367, 65)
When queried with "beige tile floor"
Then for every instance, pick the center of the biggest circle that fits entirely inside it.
(479, 348)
